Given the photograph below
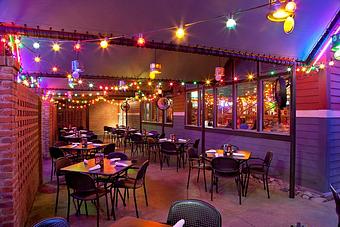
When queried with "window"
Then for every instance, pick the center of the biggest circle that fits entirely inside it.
(224, 107)
(246, 105)
(275, 119)
(192, 108)
(209, 108)
(151, 113)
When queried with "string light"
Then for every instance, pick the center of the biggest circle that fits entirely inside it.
(37, 59)
(207, 82)
(77, 46)
(322, 66)
(180, 33)
(231, 24)
(250, 76)
(80, 81)
(104, 44)
(90, 85)
(291, 7)
(3, 40)
(235, 78)
(54, 68)
(55, 47)
(17, 41)
(331, 63)
(289, 69)
(140, 40)
(36, 45)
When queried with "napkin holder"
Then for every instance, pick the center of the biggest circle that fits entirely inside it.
(99, 159)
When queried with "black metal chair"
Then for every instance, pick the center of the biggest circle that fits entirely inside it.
(196, 213)
(133, 183)
(59, 164)
(152, 147)
(120, 137)
(169, 149)
(225, 167)
(337, 202)
(196, 162)
(96, 141)
(55, 153)
(84, 189)
(109, 148)
(137, 144)
(106, 132)
(260, 168)
(120, 155)
(52, 222)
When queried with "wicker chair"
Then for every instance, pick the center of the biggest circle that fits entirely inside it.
(84, 189)
(260, 168)
(337, 202)
(196, 213)
(59, 164)
(225, 167)
(52, 222)
(133, 183)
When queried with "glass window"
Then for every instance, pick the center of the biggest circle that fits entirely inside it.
(147, 111)
(274, 118)
(246, 105)
(209, 108)
(192, 108)
(169, 113)
(159, 114)
(224, 107)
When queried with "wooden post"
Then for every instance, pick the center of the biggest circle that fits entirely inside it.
(126, 118)
(259, 119)
(140, 116)
(234, 92)
(292, 133)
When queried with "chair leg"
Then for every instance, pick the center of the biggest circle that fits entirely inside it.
(134, 197)
(216, 184)
(178, 163)
(87, 213)
(57, 197)
(267, 187)
(107, 207)
(212, 186)
(97, 212)
(189, 175)
(112, 203)
(68, 205)
(198, 174)
(246, 184)
(264, 182)
(238, 185)
(205, 180)
(52, 168)
(145, 195)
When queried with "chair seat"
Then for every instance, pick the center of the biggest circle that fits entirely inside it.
(89, 195)
(226, 174)
(256, 169)
(127, 183)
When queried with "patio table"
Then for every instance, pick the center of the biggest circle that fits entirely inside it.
(136, 222)
(80, 149)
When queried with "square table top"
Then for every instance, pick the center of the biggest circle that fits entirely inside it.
(78, 146)
(109, 169)
(244, 155)
(177, 141)
(136, 222)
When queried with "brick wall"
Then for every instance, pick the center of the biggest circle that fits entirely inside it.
(48, 126)
(20, 148)
(103, 114)
(71, 117)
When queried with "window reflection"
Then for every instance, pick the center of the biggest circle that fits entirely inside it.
(192, 108)
(224, 107)
(246, 105)
(274, 118)
(209, 108)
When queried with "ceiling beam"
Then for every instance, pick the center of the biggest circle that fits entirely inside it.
(10, 28)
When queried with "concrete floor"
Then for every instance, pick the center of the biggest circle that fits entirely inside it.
(167, 186)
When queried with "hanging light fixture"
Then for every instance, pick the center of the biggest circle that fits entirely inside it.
(280, 11)
(288, 25)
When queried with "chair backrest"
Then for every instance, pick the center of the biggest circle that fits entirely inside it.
(52, 222)
(233, 147)
(161, 136)
(56, 153)
(192, 153)
(136, 138)
(225, 165)
(120, 155)
(197, 142)
(96, 141)
(268, 158)
(142, 171)
(196, 213)
(61, 163)
(120, 132)
(80, 182)
(336, 199)
(109, 148)
(168, 146)
(60, 143)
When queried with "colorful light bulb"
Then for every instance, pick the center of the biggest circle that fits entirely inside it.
(231, 24)
(36, 45)
(104, 44)
(180, 33)
(55, 47)
(140, 41)
(54, 69)
(37, 59)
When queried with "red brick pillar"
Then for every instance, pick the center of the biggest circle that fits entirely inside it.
(8, 137)
(48, 126)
